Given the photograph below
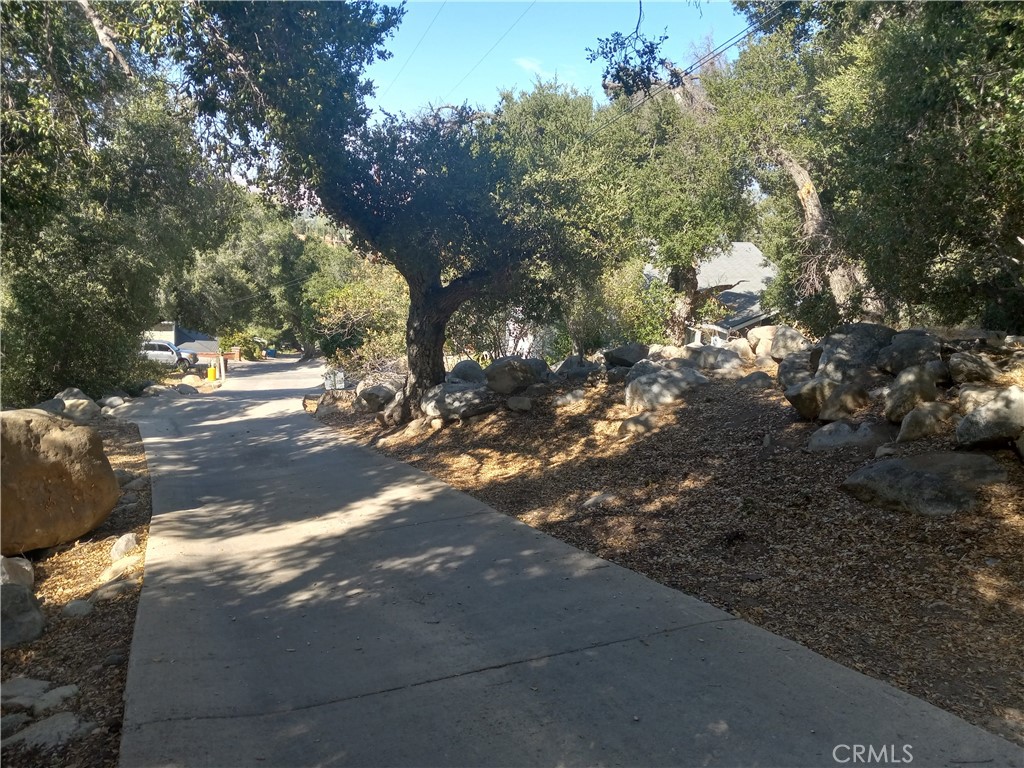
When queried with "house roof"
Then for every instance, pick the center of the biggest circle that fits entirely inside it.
(744, 273)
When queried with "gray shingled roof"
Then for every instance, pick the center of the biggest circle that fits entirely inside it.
(743, 267)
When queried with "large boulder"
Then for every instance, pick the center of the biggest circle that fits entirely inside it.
(845, 400)
(1001, 420)
(742, 348)
(852, 348)
(374, 398)
(934, 484)
(577, 368)
(925, 420)
(909, 348)
(760, 339)
(965, 368)
(80, 410)
(642, 368)
(756, 380)
(723, 361)
(508, 375)
(839, 434)
(788, 341)
(914, 385)
(468, 370)
(627, 355)
(975, 395)
(662, 388)
(456, 401)
(797, 368)
(809, 396)
(57, 484)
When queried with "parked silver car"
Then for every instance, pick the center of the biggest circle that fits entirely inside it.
(167, 353)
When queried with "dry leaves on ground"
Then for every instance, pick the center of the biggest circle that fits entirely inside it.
(721, 502)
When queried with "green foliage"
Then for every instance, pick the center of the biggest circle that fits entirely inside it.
(80, 290)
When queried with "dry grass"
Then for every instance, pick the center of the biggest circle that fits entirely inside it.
(721, 502)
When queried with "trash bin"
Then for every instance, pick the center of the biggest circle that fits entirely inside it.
(271, 352)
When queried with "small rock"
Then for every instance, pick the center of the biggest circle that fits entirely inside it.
(124, 546)
(115, 659)
(569, 398)
(52, 732)
(54, 698)
(114, 401)
(77, 609)
(808, 397)
(844, 401)
(16, 570)
(637, 425)
(21, 620)
(925, 420)
(885, 450)
(121, 567)
(598, 499)
(137, 484)
(9, 724)
(469, 370)
(113, 589)
(192, 380)
(22, 691)
(520, 404)
(536, 390)
(756, 380)
(129, 497)
(839, 434)
(123, 476)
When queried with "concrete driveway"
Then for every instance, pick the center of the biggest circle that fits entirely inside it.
(308, 602)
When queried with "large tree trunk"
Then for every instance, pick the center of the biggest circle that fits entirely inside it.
(424, 338)
(683, 281)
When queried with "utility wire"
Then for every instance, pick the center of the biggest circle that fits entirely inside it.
(415, 48)
(489, 50)
(700, 62)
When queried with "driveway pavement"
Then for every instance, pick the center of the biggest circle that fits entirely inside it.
(309, 602)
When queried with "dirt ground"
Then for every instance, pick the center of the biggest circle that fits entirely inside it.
(722, 502)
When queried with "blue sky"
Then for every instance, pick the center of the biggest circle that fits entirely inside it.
(454, 61)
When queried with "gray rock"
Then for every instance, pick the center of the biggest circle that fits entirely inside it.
(1001, 420)
(662, 388)
(932, 484)
(845, 400)
(576, 396)
(54, 406)
(22, 691)
(115, 659)
(77, 609)
(509, 375)
(660, 352)
(21, 620)
(128, 497)
(975, 395)
(678, 363)
(53, 732)
(116, 401)
(124, 546)
(808, 397)
(599, 499)
(756, 380)
(720, 359)
(637, 425)
(852, 348)
(53, 698)
(9, 724)
(788, 341)
(1013, 341)
(925, 420)
(17, 570)
(456, 401)
(912, 387)
(113, 589)
(373, 398)
(186, 389)
(392, 413)
(965, 368)
(796, 368)
(742, 349)
(123, 476)
(153, 390)
(81, 411)
(521, 404)
(642, 368)
(627, 355)
(760, 339)
(72, 393)
(939, 371)
(138, 484)
(839, 435)
(618, 374)
(909, 348)
(469, 370)
(122, 566)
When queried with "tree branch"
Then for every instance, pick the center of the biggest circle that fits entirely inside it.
(106, 37)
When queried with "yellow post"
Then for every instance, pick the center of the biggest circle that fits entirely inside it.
(211, 373)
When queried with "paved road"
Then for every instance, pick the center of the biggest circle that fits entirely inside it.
(308, 602)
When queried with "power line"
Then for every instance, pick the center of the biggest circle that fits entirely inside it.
(415, 48)
(700, 62)
(489, 50)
